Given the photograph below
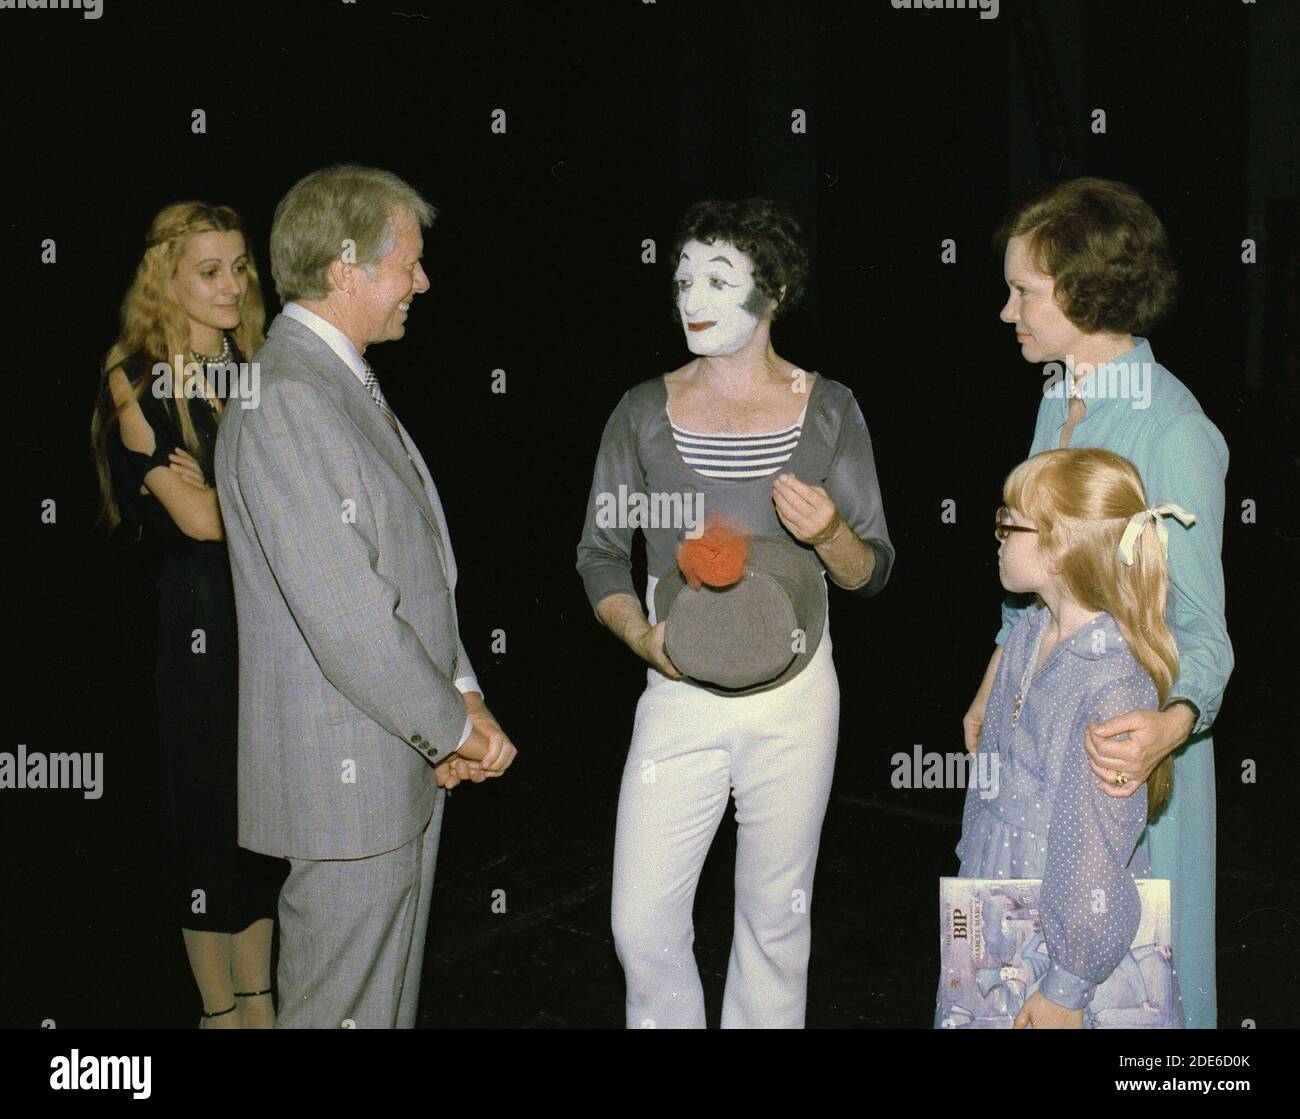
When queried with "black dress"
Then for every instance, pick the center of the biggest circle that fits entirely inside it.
(196, 685)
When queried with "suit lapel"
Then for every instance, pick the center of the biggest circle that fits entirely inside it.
(426, 478)
(360, 408)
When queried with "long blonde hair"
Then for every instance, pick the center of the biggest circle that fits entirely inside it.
(155, 328)
(1081, 501)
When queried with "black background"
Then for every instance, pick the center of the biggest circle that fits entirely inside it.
(921, 126)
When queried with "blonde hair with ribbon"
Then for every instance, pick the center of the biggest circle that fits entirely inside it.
(1092, 517)
(1155, 515)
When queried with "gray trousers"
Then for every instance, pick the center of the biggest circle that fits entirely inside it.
(352, 936)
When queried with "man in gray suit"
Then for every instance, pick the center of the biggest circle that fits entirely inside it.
(358, 705)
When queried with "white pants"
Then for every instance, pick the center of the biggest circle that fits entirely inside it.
(690, 749)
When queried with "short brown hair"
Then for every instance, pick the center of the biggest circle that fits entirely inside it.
(1105, 250)
(764, 230)
(344, 203)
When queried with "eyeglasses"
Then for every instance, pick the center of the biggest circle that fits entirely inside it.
(1003, 528)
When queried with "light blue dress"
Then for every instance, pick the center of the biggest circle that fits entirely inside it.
(1183, 458)
(1048, 819)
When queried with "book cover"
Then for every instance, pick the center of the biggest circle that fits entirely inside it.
(993, 956)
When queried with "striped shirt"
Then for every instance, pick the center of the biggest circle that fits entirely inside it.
(716, 455)
(638, 455)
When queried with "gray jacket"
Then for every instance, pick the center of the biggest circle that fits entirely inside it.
(344, 587)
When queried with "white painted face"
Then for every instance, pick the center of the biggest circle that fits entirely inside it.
(716, 297)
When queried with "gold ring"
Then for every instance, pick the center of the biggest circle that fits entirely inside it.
(1121, 778)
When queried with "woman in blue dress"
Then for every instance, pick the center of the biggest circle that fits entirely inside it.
(1088, 268)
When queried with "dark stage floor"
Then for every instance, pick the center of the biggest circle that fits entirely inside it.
(97, 954)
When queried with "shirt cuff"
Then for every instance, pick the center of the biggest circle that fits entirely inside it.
(1181, 700)
(1203, 718)
(1066, 989)
(467, 684)
(469, 729)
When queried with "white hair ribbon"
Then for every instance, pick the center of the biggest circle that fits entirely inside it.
(1138, 522)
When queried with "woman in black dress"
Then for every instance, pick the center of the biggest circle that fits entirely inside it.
(194, 308)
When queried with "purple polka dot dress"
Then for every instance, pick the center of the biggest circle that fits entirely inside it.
(1044, 816)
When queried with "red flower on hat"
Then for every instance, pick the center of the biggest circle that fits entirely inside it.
(718, 556)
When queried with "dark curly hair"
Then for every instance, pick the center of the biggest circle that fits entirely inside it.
(761, 228)
(1105, 250)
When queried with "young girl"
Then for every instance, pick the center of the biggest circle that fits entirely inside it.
(1076, 531)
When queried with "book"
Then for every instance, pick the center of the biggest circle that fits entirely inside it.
(993, 957)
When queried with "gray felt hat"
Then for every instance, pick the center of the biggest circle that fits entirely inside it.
(753, 635)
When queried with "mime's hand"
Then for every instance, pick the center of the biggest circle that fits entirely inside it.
(651, 649)
(807, 512)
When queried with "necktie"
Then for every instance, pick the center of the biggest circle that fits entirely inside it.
(376, 394)
(372, 383)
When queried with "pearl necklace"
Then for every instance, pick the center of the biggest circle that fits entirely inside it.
(204, 361)
(220, 359)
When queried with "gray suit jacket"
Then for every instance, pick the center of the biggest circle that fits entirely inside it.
(344, 588)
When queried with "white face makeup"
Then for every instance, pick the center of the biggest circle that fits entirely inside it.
(716, 297)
